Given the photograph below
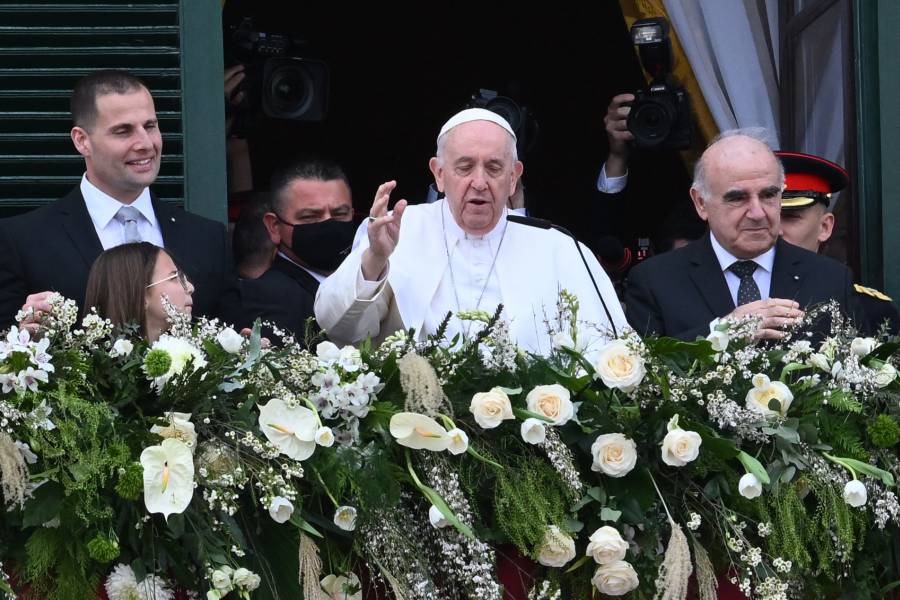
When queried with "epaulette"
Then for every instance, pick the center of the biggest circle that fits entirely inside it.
(861, 289)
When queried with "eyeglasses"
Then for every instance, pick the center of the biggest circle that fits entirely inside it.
(179, 274)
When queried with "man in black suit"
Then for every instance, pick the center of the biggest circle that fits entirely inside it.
(310, 221)
(742, 267)
(52, 249)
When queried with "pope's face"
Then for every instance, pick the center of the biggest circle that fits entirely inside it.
(477, 174)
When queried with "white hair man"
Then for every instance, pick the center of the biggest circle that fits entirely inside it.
(421, 262)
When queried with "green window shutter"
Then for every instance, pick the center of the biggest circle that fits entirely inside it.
(44, 49)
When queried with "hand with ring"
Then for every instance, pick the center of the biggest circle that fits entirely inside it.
(384, 232)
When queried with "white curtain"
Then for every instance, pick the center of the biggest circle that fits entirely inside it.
(732, 46)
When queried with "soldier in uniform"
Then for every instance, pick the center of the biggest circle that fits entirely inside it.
(807, 221)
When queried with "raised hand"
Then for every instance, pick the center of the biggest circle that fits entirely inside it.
(384, 232)
(617, 132)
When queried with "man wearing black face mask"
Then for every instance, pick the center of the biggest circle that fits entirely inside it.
(310, 221)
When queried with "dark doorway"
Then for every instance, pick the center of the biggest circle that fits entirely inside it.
(397, 73)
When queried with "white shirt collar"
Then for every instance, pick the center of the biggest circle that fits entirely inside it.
(454, 232)
(765, 261)
(102, 207)
(318, 276)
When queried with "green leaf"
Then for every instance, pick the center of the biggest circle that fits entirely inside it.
(861, 467)
(304, 525)
(790, 368)
(753, 466)
(788, 434)
(511, 391)
(487, 461)
(578, 564)
(608, 514)
(526, 414)
(44, 505)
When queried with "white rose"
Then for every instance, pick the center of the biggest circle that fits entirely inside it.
(557, 549)
(121, 348)
(230, 340)
(281, 509)
(886, 375)
(719, 340)
(764, 391)
(614, 454)
(820, 361)
(345, 518)
(855, 493)
(607, 546)
(862, 346)
(325, 437)
(437, 518)
(221, 578)
(619, 367)
(491, 408)
(750, 486)
(246, 579)
(533, 431)
(459, 441)
(551, 401)
(615, 579)
(680, 447)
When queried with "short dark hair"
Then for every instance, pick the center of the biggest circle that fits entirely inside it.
(315, 169)
(99, 83)
(117, 283)
(250, 243)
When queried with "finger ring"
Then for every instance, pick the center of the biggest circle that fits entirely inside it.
(372, 219)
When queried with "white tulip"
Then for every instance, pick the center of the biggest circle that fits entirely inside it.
(230, 340)
(855, 493)
(281, 509)
(533, 431)
(750, 486)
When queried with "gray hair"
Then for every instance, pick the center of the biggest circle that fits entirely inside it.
(760, 134)
(442, 142)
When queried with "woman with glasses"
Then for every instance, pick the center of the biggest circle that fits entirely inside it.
(127, 284)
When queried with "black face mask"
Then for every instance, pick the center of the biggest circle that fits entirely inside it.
(322, 245)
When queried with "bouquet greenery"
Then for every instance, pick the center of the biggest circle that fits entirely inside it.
(207, 463)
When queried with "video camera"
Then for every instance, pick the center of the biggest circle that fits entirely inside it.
(278, 80)
(519, 117)
(660, 117)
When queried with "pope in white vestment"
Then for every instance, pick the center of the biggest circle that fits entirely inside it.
(461, 253)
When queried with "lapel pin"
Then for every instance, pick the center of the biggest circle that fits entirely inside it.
(173, 220)
(796, 277)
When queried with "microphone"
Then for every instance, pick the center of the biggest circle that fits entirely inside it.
(545, 224)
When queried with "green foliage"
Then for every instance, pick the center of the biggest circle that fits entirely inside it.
(884, 431)
(844, 435)
(157, 363)
(528, 497)
(130, 485)
(56, 566)
(102, 548)
(790, 521)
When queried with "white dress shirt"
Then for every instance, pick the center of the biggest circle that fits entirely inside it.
(611, 185)
(762, 276)
(102, 209)
(317, 276)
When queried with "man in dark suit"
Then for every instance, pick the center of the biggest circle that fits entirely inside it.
(52, 249)
(742, 267)
(310, 221)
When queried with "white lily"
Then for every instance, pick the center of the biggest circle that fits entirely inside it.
(168, 477)
(291, 429)
(419, 432)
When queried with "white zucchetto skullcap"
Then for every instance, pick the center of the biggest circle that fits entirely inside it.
(476, 114)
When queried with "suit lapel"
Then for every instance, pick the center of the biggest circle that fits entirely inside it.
(298, 274)
(788, 271)
(170, 228)
(78, 226)
(706, 274)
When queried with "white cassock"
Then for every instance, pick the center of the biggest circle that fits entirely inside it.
(521, 267)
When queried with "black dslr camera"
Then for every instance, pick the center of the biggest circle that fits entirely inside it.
(278, 81)
(660, 117)
(519, 117)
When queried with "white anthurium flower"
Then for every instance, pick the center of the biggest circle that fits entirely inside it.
(885, 375)
(862, 346)
(345, 518)
(325, 437)
(750, 486)
(719, 340)
(533, 431)
(551, 401)
(437, 518)
(680, 447)
(179, 427)
(855, 493)
(291, 429)
(230, 340)
(459, 441)
(281, 509)
(168, 477)
(419, 432)
(619, 367)
(340, 587)
(763, 392)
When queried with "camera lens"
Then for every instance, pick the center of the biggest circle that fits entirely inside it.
(507, 109)
(289, 89)
(651, 120)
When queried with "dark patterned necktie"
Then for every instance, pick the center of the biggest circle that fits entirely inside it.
(748, 291)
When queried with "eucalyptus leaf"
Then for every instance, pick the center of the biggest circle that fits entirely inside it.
(609, 514)
(753, 466)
